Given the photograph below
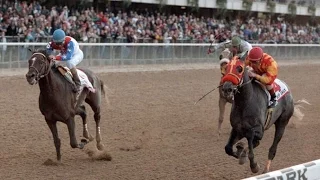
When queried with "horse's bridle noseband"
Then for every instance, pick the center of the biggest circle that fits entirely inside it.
(46, 72)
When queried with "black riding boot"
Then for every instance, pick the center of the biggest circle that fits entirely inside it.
(273, 100)
(76, 87)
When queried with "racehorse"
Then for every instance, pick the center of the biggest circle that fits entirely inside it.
(225, 57)
(57, 102)
(250, 115)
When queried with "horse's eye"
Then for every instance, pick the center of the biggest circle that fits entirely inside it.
(229, 90)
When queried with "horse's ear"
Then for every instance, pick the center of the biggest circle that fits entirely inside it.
(30, 50)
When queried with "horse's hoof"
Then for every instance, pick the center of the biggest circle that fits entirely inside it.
(90, 138)
(266, 170)
(100, 147)
(240, 148)
(255, 168)
(243, 157)
(83, 143)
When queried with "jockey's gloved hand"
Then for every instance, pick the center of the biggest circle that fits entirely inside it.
(52, 57)
(252, 74)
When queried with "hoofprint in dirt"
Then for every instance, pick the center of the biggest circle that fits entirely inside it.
(152, 129)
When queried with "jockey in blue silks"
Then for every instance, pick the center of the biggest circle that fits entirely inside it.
(69, 52)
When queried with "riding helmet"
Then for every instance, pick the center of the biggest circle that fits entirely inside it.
(255, 54)
(59, 35)
(235, 41)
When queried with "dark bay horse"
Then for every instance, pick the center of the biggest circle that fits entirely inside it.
(57, 102)
(249, 118)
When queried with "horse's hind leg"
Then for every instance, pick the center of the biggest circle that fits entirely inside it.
(83, 113)
(72, 135)
(53, 127)
(97, 117)
(94, 102)
(279, 131)
(234, 138)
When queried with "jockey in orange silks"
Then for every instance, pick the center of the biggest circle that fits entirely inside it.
(265, 70)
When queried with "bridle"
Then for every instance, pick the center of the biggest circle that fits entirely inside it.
(47, 70)
(241, 82)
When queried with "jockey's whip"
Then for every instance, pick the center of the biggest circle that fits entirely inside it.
(207, 94)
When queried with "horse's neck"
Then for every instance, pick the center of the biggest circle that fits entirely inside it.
(50, 83)
(245, 93)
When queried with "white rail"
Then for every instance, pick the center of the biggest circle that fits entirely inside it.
(306, 171)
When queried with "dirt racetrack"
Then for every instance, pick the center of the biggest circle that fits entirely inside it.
(152, 129)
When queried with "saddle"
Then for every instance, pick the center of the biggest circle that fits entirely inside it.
(85, 83)
(66, 73)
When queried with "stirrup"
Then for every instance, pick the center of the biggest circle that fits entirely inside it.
(273, 104)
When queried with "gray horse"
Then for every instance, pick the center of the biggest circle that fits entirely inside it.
(250, 117)
(57, 102)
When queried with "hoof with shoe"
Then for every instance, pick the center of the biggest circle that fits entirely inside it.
(83, 143)
(255, 168)
(240, 148)
(243, 157)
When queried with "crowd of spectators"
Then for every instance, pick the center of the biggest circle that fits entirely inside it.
(31, 22)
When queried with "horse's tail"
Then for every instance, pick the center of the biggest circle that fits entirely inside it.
(297, 106)
(105, 88)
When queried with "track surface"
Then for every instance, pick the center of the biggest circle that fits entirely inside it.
(152, 129)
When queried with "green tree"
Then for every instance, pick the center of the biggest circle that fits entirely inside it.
(194, 5)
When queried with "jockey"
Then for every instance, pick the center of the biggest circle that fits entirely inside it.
(265, 70)
(238, 47)
(69, 52)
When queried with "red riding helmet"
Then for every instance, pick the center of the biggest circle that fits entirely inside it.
(255, 54)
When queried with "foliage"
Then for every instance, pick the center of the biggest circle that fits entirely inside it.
(221, 3)
(194, 5)
(271, 5)
(312, 9)
(126, 3)
(292, 7)
(162, 4)
(247, 4)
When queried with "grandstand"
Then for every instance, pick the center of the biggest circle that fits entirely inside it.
(162, 21)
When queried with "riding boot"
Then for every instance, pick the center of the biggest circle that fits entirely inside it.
(273, 99)
(75, 77)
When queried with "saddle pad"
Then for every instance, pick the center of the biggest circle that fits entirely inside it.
(280, 89)
(83, 79)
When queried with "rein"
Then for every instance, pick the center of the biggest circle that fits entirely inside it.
(39, 76)
(242, 84)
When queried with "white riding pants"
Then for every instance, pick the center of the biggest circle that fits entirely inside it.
(75, 59)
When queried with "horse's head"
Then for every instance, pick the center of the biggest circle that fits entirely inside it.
(233, 77)
(39, 66)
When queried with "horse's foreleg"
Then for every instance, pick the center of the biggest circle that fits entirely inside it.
(222, 105)
(279, 131)
(53, 127)
(234, 137)
(253, 165)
